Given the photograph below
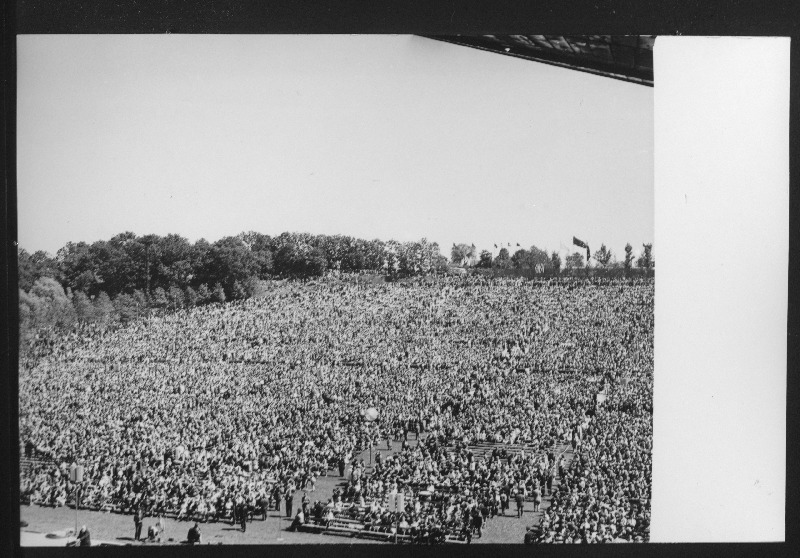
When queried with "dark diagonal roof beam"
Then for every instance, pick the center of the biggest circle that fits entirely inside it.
(627, 58)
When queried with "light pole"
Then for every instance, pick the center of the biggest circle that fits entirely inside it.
(399, 507)
(147, 244)
(278, 509)
(76, 476)
(370, 416)
(147, 266)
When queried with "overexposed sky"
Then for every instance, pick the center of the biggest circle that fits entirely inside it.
(371, 136)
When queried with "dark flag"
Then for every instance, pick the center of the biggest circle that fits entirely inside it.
(517, 243)
(495, 245)
(577, 242)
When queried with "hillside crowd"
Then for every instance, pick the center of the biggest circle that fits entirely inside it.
(225, 410)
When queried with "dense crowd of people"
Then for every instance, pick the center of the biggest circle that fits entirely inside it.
(224, 411)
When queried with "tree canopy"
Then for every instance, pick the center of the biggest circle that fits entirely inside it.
(127, 277)
(646, 261)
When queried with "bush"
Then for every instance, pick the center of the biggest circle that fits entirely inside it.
(104, 310)
(203, 294)
(159, 298)
(126, 308)
(191, 297)
(175, 298)
(218, 294)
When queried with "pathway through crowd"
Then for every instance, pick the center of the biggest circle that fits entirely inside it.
(502, 529)
(119, 527)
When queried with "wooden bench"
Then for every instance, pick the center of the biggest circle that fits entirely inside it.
(353, 528)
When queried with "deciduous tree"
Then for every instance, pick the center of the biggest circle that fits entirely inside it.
(574, 261)
(502, 261)
(84, 310)
(126, 307)
(104, 311)
(203, 294)
(55, 309)
(628, 262)
(462, 254)
(603, 255)
(159, 298)
(175, 298)
(191, 297)
(555, 262)
(645, 261)
(218, 294)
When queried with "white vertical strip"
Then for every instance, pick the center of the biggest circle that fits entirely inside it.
(721, 248)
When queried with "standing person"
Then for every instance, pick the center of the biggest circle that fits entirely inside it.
(494, 505)
(276, 494)
(137, 521)
(477, 521)
(341, 466)
(520, 499)
(503, 502)
(289, 502)
(466, 532)
(305, 502)
(243, 516)
(195, 537)
(537, 498)
(263, 505)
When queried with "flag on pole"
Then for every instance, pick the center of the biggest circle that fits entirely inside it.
(577, 242)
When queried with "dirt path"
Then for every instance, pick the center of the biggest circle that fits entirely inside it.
(119, 528)
(509, 529)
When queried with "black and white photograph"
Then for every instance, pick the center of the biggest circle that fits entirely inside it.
(336, 289)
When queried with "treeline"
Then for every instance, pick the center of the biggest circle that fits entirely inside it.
(128, 276)
(122, 278)
(538, 261)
